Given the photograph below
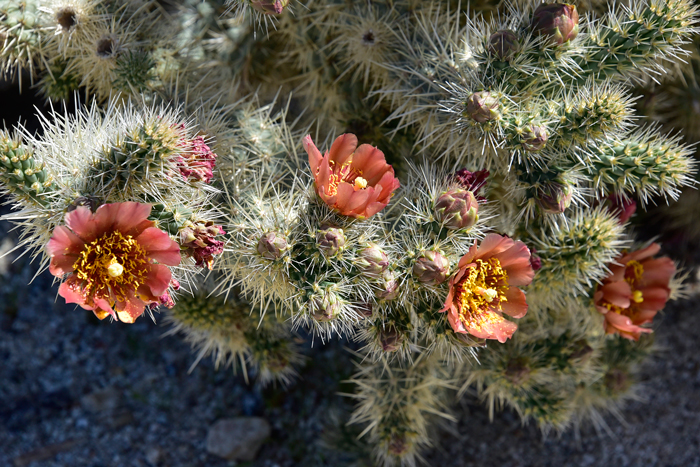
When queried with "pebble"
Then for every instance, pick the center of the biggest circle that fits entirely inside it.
(237, 438)
(108, 398)
(154, 455)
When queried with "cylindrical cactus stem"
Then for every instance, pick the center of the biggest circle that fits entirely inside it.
(644, 164)
(639, 37)
(146, 149)
(21, 173)
(20, 36)
(590, 113)
(576, 253)
(398, 404)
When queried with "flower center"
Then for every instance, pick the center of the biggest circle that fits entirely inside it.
(345, 174)
(633, 276)
(110, 264)
(483, 286)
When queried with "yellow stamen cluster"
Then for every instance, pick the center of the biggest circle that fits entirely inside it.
(344, 174)
(482, 287)
(110, 264)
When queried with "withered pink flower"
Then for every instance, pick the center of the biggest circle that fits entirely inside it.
(354, 181)
(197, 161)
(199, 241)
(486, 285)
(472, 181)
(116, 260)
(636, 289)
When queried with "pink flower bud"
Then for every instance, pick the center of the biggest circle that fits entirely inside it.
(431, 268)
(457, 209)
(482, 107)
(272, 246)
(559, 21)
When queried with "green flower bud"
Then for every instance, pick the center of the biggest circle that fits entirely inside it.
(482, 107)
(457, 209)
(431, 268)
(325, 306)
(559, 21)
(389, 286)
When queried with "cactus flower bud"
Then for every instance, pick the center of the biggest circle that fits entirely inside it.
(269, 7)
(389, 286)
(390, 338)
(482, 107)
(330, 241)
(457, 209)
(534, 138)
(554, 197)
(372, 261)
(325, 306)
(503, 45)
(559, 21)
(272, 246)
(431, 268)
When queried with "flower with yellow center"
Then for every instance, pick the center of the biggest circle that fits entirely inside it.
(110, 257)
(636, 289)
(485, 286)
(354, 181)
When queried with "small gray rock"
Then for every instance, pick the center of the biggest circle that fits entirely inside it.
(108, 398)
(154, 455)
(237, 438)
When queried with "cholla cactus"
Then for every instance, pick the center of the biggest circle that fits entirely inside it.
(468, 227)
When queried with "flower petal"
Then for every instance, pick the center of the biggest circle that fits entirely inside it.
(493, 244)
(82, 222)
(129, 218)
(159, 246)
(618, 293)
(516, 304)
(342, 149)
(657, 272)
(72, 291)
(456, 323)
(313, 152)
(342, 200)
(496, 327)
(642, 254)
(158, 279)
(131, 308)
(64, 248)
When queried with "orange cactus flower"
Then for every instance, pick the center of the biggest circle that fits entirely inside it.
(636, 289)
(354, 181)
(110, 256)
(486, 285)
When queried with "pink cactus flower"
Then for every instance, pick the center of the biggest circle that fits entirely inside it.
(636, 289)
(354, 181)
(486, 285)
(116, 260)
